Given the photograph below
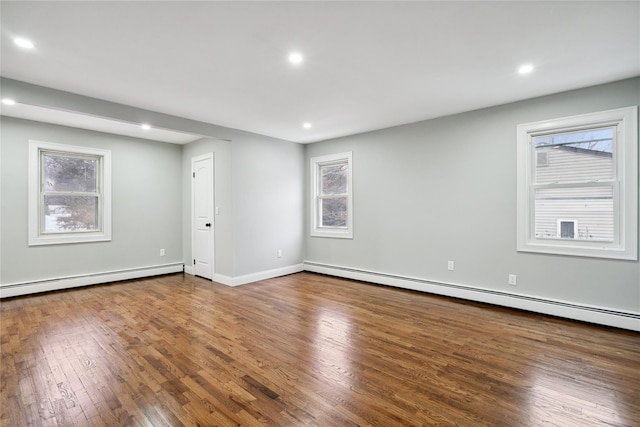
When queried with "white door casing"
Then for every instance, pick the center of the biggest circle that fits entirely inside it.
(202, 201)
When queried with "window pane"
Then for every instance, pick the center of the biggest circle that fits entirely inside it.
(70, 213)
(333, 212)
(567, 229)
(70, 174)
(575, 156)
(591, 208)
(334, 179)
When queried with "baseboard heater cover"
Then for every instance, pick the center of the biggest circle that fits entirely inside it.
(586, 313)
(58, 283)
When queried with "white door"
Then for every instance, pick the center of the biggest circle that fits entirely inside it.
(202, 190)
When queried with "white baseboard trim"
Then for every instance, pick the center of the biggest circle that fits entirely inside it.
(225, 280)
(250, 278)
(587, 313)
(53, 284)
(220, 278)
(255, 277)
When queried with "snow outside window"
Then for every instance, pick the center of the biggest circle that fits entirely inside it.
(69, 194)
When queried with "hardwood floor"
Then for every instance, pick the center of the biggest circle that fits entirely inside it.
(302, 350)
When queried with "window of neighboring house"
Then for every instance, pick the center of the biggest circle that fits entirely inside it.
(69, 194)
(542, 159)
(585, 168)
(567, 229)
(332, 205)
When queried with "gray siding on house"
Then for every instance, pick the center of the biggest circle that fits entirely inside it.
(569, 164)
(590, 208)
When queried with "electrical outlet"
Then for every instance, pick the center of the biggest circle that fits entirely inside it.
(161, 252)
(450, 265)
(512, 280)
(279, 253)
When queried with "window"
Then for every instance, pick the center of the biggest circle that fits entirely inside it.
(578, 185)
(332, 206)
(542, 159)
(69, 194)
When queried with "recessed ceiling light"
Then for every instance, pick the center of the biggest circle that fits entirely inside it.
(145, 126)
(525, 69)
(24, 43)
(7, 101)
(306, 125)
(295, 58)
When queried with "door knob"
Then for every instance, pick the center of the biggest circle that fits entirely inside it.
(208, 224)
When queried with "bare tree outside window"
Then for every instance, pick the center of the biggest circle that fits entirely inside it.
(70, 197)
(69, 194)
(334, 195)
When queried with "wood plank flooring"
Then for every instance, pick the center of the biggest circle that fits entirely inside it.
(304, 350)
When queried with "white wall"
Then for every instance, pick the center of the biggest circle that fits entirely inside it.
(146, 206)
(425, 193)
(268, 203)
(445, 189)
(259, 191)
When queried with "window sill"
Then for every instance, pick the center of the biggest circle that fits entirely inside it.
(333, 233)
(66, 239)
(595, 250)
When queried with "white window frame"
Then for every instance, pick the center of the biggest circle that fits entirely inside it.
(624, 184)
(316, 229)
(36, 199)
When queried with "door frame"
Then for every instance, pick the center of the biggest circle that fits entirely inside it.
(211, 157)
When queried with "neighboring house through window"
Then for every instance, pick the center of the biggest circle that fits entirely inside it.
(69, 194)
(578, 185)
(331, 194)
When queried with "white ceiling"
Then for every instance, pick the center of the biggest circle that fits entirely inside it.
(368, 65)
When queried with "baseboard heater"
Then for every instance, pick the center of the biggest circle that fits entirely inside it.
(53, 284)
(587, 313)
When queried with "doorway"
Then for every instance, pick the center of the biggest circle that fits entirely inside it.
(202, 202)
